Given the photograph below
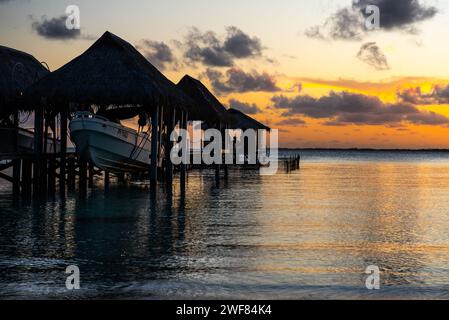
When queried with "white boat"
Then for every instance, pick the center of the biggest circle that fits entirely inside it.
(109, 145)
(25, 141)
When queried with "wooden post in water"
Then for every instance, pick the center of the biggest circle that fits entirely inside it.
(160, 143)
(38, 147)
(91, 175)
(154, 146)
(183, 165)
(82, 176)
(169, 144)
(63, 163)
(217, 165)
(27, 165)
(71, 173)
(16, 176)
(106, 179)
(16, 162)
(51, 175)
(225, 136)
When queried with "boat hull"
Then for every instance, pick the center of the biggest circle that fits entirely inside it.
(110, 146)
(25, 141)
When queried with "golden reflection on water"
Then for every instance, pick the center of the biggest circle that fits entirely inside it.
(346, 216)
(319, 227)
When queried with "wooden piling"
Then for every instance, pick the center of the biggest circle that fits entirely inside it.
(71, 173)
(63, 162)
(51, 176)
(154, 145)
(91, 175)
(82, 175)
(38, 148)
(27, 170)
(106, 179)
(183, 165)
(16, 176)
(169, 169)
(217, 165)
(224, 135)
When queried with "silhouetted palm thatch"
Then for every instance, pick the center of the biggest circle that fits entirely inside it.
(110, 73)
(18, 70)
(209, 109)
(244, 122)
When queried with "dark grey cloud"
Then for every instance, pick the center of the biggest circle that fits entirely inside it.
(241, 45)
(55, 29)
(439, 95)
(237, 80)
(248, 108)
(158, 53)
(371, 54)
(291, 122)
(209, 49)
(398, 13)
(349, 23)
(349, 108)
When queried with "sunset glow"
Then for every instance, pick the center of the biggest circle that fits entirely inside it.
(250, 52)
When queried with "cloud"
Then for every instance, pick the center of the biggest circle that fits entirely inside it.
(158, 53)
(209, 49)
(55, 29)
(348, 23)
(293, 122)
(439, 95)
(237, 80)
(372, 55)
(240, 45)
(247, 108)
(345, 24)
(356, 109)
(398, 14)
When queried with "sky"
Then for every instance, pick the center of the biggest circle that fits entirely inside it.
(312, 69)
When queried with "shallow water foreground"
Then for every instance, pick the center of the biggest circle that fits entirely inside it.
(308, 234)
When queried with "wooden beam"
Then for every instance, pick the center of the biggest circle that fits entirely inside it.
(6, 177)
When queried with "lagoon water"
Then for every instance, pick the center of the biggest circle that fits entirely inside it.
(304, 235)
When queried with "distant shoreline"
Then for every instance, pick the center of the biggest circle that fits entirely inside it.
(364, 149)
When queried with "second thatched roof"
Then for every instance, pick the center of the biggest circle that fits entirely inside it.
(209, 109)
(245, 122)
(110, 72)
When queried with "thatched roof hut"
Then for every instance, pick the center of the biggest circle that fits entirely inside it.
(209, 109)
(18, 70)
(244, 122)
(110, 73)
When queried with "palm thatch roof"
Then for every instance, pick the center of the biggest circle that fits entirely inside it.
(18, 70)
(210, 110)
(245, 122)
(111, 72)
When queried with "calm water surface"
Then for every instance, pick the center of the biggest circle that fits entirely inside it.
(305, 235)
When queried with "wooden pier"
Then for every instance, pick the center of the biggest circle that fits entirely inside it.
(291, 163)
(109, 76)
